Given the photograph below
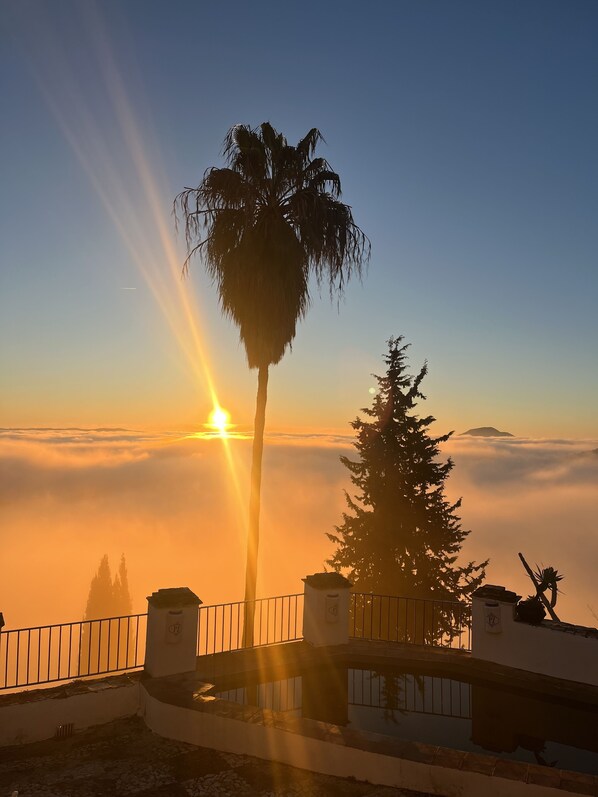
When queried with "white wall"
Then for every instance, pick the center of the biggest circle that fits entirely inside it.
(38, 717)
(536, 648)
(208, 729)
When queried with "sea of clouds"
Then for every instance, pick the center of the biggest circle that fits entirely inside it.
(175, 505)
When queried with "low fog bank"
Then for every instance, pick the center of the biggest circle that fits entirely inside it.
(176, 507)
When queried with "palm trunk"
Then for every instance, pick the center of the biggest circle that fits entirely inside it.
(253, 536)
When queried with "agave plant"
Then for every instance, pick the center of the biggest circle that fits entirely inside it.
(543, 579)
(547, 578)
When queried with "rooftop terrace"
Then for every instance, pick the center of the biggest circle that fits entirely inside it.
(176, 728)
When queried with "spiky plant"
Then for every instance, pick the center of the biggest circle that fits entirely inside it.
(548, 578)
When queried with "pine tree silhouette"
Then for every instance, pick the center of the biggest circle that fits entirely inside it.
(402, 536)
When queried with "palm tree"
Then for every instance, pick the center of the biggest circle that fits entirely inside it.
(264, 224)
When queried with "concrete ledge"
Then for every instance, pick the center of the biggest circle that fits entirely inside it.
(34, 715)
(182, 709)
(331, 750)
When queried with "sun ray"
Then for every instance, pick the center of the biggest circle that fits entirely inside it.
(135, 199)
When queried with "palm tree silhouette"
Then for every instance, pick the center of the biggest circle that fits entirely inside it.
(264, 224)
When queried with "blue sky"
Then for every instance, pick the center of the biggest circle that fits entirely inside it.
(464, 134)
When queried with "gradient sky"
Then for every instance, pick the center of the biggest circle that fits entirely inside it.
(465, 136)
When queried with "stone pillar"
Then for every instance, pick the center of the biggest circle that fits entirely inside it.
(326, 609)
(171, 642)
(493, 615)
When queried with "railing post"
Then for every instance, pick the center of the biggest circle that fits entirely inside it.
(326, 609)
(171, 642)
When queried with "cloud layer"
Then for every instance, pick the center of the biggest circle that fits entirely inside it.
(176, 506)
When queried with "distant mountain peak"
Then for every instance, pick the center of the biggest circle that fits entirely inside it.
(486, 431)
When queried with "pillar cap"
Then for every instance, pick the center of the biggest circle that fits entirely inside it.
(331, 580)
(496, 593)
(173, 598)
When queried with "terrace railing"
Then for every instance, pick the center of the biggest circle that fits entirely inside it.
(415, 621)
(50, 653)
(278, 619)
(62, 652)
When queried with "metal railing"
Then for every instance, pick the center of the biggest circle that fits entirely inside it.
(50, 653)
(278, 619)
(62, 652)
(417, 621)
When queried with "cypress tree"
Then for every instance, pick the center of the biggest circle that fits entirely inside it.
(122, 598)
(107, 644)
(124, 607)
(401, 536)
(100, 601)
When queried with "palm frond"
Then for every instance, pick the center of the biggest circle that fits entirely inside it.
(262, 224)
(307, 145)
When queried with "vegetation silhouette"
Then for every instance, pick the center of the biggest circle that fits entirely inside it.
(533, 608)
(402, 536)
(109, 643)
(264, 224)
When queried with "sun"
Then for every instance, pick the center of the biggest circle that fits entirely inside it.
(219, 420)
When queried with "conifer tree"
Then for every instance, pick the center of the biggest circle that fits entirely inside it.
(100, 601)
(122, 598)
(124, 607)
(107, 644)
(401, 536)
